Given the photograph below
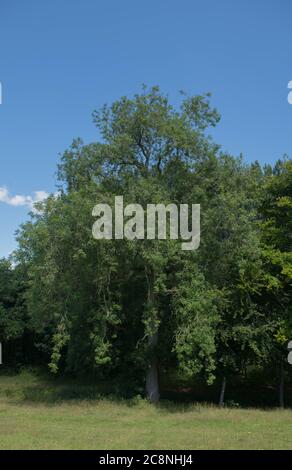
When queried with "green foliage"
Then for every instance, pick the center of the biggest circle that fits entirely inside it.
(195, 307)
(117, 306)
(12, 309)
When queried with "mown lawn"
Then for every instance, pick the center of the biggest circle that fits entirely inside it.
(35, 414)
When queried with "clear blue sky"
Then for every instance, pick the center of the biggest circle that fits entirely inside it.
(62, 59)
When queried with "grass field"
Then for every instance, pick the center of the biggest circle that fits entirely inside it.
(36, 413)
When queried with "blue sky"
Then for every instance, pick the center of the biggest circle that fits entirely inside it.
(62, 59)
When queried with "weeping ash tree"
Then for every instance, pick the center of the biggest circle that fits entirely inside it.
(130, 308)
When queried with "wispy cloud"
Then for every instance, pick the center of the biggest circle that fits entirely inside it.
(22, 200)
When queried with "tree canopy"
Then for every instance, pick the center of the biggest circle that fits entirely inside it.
(132, 308)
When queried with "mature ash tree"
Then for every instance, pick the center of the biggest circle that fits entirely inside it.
(132, 308)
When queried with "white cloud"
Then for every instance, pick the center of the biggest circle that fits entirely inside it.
(40, 196)
(21, 200)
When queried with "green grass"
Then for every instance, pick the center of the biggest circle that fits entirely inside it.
(40, 413)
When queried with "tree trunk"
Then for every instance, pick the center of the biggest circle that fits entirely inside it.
(222, 392)
(281, 385)
(152, 383)
(152, 380)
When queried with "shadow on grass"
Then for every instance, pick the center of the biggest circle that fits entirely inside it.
(50, 396)
(51, 391)
(238, 395)
(41, 388)
(171, 401)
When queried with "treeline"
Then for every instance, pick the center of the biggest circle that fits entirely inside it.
(123, 308)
